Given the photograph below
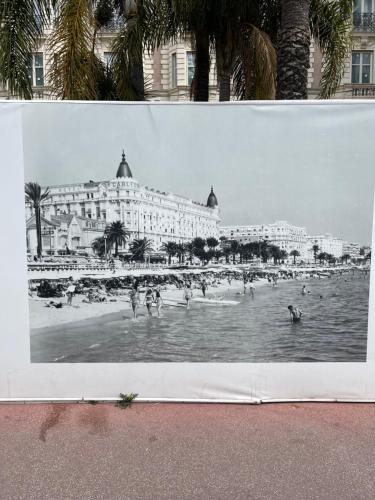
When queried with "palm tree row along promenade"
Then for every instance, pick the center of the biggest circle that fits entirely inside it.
(198, 250)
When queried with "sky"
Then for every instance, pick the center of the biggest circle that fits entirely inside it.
(312, 165)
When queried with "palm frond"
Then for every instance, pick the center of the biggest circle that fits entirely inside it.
(74, 67)
(331, 24)
(21, 28)
(127, 63)
(255, 69)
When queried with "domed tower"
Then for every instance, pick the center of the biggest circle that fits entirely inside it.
(123, 169)
(212, 200)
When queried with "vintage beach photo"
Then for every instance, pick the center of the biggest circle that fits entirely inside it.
(163, 239)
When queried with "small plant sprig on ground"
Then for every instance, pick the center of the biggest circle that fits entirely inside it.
(126, 400)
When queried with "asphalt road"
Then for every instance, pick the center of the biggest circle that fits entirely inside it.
(187, 451)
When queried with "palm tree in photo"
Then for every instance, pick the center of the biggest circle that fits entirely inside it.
(180, 252)
(283, 255)
(315, 249)
(294, 254)
(116, 234)
(234, 249)
(275, 253)
(35, 197)
(227, 253)
(139, 248)
(170, 248)
(189, 249)
(212, 243)
(99, 246)
(345, 257)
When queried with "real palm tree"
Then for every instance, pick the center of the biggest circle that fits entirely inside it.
(139, 248)
(116, 234)
(35, 196)
(329, 22)
(294, 254)
(243, 34)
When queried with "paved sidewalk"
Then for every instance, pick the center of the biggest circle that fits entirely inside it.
(187, 451)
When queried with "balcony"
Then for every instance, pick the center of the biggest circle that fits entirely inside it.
(364, 23)
(113, 26)
(362, 90)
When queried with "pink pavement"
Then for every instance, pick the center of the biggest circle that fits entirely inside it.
(187, 451)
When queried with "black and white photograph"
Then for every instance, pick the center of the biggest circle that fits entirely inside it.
(183, 236)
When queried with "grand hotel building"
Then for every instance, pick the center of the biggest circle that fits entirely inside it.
(75, 214)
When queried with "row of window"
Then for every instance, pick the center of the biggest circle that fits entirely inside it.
(362, 63)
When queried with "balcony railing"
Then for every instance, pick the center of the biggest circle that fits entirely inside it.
(364, 22)
(363, 90)
(113, 26)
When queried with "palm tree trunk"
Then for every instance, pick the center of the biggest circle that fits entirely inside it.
(223, 69)
(202, 65)
(293, 50)
(39, 247)
(137, 79)
(224, 88)
(116, 248)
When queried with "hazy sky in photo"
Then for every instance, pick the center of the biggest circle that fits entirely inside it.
(310, 165)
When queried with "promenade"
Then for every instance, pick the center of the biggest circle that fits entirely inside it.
(187, 451)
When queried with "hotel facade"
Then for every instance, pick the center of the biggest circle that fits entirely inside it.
(280, 233)
(75, 214)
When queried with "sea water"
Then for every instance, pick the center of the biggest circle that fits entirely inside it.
(333, 328)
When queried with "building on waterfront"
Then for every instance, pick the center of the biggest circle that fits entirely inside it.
(63, 233)
(352, 249)
(326, 244)
(280, 233)
(79, 213)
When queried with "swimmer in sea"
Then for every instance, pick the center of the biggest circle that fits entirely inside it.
(295, 314)
(304, 291)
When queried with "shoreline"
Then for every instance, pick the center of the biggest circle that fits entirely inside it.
(41, 317)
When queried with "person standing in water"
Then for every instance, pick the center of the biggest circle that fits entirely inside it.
(295, 314)
(158, 301)
(304, 291)
(70, 292)
(204, 287)
(148, 300)
(251, 288)
(188, 294)
(134, 301)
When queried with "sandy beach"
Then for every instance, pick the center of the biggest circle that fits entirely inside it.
(42, 316)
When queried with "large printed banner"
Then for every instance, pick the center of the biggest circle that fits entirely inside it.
(187, 251)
